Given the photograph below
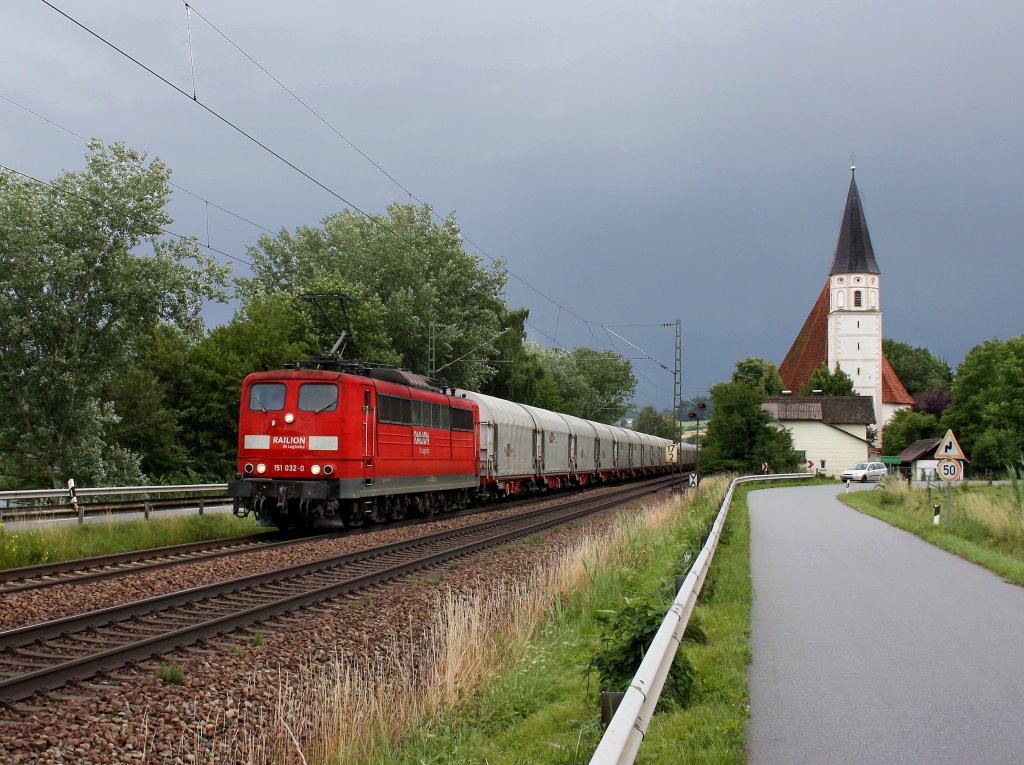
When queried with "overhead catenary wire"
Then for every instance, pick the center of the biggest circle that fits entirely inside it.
(238, 129)
(380, 168)
(375, 220)
(183, 189)
(106, 206)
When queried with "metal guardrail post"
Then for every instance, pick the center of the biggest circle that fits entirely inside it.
(202, 502)
(625, 732)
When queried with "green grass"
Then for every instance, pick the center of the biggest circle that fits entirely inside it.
(984, 529)
(545, 707)
(67, 542)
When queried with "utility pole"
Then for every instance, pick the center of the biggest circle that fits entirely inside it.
(677, 400)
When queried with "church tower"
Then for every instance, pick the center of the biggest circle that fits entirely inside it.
(855, 314)
(844, 327)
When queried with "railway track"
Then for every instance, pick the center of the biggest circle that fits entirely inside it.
(120, 564)
(46, 656)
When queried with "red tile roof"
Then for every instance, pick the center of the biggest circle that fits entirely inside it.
(810, 349)
(893, 391)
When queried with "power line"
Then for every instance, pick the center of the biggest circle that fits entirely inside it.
(379, 167)
(85, 140)
(376, 221)
(230, 124)
(106, 206)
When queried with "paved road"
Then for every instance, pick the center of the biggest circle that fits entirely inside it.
(871, 646)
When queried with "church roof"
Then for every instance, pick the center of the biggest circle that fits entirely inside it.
(853, 253)
(893, 390)
(810, 349)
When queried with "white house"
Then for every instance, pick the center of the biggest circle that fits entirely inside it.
(830, 431)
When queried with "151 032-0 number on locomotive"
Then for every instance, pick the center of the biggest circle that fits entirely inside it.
(335, 448)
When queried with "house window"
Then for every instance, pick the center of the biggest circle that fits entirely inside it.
(858, 300)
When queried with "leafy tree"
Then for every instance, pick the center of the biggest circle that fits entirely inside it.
(933, 401)
(592, 384)
(759, 374)
(836, 383)
(650, 420)
(80, 301)
(147, 397)
(995, 449)
(918, 368)
(741, 435)
(906, 427)
(417, 269)
(988, 395)
(520, 373)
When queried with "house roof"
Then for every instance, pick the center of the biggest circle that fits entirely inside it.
(923, 448)
(831, 410)
(810, 349)
(854, 254)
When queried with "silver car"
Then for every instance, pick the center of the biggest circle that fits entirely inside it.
(864, 472)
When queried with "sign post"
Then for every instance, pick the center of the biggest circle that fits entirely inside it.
(950, 469)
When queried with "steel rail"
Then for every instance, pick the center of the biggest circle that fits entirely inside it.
(241, 596)
(82, 570)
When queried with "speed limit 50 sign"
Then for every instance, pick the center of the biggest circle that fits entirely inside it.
(950, 470)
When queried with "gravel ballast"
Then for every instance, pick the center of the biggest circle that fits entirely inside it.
(229, 686)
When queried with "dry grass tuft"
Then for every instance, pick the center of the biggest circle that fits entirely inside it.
(347, 708)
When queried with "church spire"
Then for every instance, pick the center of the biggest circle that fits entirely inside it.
(853, 253)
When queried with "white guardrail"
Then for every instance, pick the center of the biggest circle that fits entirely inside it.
(67, 499)
(621, 740)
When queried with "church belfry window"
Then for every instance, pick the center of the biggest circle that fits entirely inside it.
(858, 299)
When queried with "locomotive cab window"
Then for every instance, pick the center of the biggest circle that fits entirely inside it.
(266, 397)
(318, 397)
(462, 419)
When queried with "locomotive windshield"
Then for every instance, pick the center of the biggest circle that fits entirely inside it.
(267, 397)
(318, 397)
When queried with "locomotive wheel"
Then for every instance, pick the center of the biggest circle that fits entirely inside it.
(379, 511)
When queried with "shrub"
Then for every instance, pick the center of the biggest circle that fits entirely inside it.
(624, 643)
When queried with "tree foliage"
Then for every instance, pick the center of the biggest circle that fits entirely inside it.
(835, 383)
(414, 267)
(595, 385)
(650, 420)
(906, 427)
(80, 303)
(987, 410)
(918, 368)
(741, 435)
(759, 374)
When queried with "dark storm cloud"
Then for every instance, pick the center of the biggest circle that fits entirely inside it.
(637, 165)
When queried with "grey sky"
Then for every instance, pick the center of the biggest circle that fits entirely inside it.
(636, 164)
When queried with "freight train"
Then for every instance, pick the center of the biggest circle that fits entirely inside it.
(357, 443)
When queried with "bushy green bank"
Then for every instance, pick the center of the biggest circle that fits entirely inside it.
(987, 521)
(544, 706)
(66, 542)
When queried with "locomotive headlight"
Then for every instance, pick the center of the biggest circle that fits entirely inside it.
(289, 418)
(328, 469)
(248, 467)
(261, 468)
(315, 470)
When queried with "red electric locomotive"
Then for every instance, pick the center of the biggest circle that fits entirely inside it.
(335, 448)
